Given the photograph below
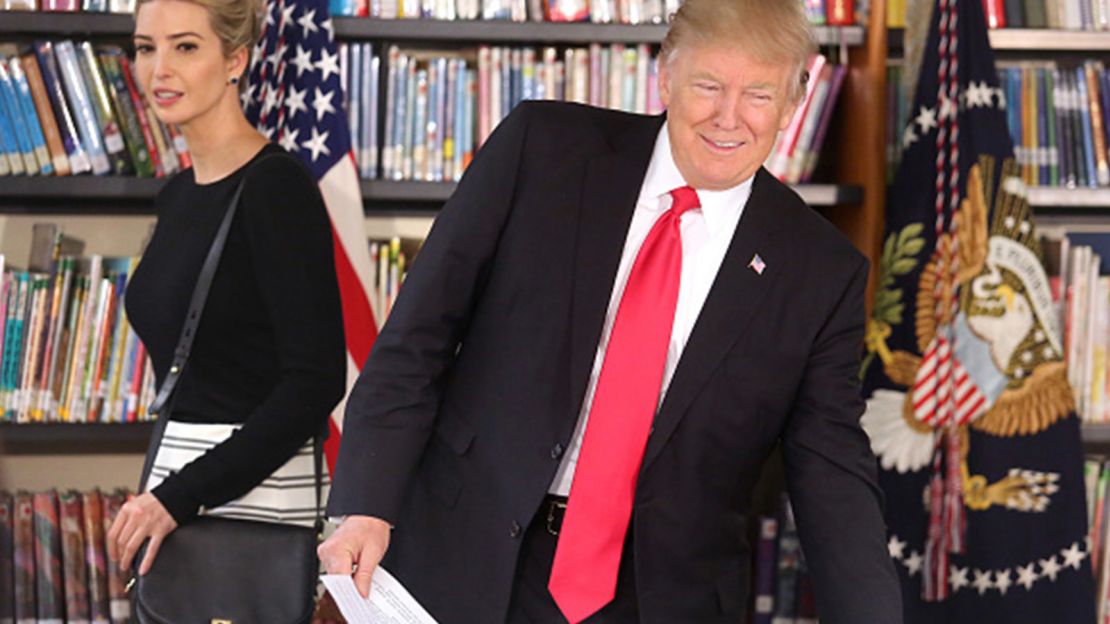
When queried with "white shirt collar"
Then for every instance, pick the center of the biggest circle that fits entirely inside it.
(663, 176)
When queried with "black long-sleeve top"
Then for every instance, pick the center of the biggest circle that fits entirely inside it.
(269, 351)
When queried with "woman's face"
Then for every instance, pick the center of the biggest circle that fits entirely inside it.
(180, 62)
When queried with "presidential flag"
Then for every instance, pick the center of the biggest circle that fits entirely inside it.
(969, 409)
(293, 96)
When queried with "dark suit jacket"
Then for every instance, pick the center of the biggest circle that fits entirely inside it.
(458, 422)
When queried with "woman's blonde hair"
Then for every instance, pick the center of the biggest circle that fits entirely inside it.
(772, 31)
(237, 23)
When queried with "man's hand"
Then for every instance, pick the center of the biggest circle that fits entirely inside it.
(360, 541)
(140, 518)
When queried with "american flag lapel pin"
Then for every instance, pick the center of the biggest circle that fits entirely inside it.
(757, 264)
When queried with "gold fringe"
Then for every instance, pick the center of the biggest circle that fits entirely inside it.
(902, 368)
(1042, 400)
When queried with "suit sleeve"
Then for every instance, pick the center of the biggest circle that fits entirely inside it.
(832, 479)
(393, 405)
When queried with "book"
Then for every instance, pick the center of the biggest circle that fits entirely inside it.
(764, 580)
(49, 593)
(7, 558)
(840, 13)
(118, 602)
(140, 113)
(17, 119)
(109, 128)
(23, 546)
(74, 572)
(132, 130)
(96, 561)
(27, 104)
(45, 111)
(81, 104)
(75, 152)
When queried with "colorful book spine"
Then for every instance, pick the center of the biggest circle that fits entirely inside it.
(49, 592)
(75, 152)
(1085, 127)
(114, 144)
(17, 119)
(7, 558)
(23, 545)
(9, 146)
(840, 12)
(764, 582)
(96, 562)
(1091, 71)
(45, 111)
(118, 602)
(74, 572)
(140, 113)
(82, 107)
(27, 104)
(127, 116)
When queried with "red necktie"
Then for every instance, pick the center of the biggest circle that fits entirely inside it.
(584, 572)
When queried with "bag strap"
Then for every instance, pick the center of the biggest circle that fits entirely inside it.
(185, 344)
(188, 331)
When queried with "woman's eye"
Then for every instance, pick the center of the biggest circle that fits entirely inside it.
(186, 47)
(144, 48)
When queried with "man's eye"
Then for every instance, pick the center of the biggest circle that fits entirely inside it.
(707, 87)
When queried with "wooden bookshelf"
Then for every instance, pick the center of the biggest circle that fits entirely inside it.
(128, 195)
(1030, 40)
(73, 439)
(30, 23)
(1047, 199)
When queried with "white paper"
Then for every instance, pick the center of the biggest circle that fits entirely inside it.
(389, 601)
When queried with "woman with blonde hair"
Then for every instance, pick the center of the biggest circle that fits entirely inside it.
(267, 359)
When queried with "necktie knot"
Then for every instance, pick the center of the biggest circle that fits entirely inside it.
(684, 198)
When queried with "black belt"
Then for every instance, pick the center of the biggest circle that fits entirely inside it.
(552, 510)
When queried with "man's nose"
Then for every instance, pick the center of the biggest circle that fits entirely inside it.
(728, 111)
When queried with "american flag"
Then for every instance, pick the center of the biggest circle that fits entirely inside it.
(293, 96)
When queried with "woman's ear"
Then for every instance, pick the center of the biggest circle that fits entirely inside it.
(237, 65)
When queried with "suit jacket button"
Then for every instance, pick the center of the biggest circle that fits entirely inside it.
(557, 451)
(514, 530)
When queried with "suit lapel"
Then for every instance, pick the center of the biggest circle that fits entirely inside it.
(609, 193)
(734, 299)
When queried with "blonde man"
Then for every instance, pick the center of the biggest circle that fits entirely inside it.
(615, 320)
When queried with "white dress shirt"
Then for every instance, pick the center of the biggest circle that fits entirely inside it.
(706, 234)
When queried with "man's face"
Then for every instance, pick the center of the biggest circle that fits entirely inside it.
(724, 109)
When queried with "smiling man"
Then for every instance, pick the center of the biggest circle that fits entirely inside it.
(615, 320)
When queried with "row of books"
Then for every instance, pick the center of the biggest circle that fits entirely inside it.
(390, 260)
(68, 352)
(782, 585)
(1078, 264)
(1058, 120)
(832, 12)
(88, 6)
(1061, 14)
(794, 157)
(53, 558)
(440, 107)
(67, 108)
(1056, 14)
(1096, 477)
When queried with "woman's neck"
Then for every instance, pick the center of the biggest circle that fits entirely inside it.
(221, 144)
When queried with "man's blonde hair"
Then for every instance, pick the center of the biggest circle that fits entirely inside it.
(772, 31)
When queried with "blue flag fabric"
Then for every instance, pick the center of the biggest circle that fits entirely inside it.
(969, 409)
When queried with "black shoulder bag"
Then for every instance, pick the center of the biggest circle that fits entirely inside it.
(219, 570)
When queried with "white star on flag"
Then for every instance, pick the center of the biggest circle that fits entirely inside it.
(317, 144)
(308, 21)
(322, 103)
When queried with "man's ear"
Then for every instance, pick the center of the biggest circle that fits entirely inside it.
(663, 69)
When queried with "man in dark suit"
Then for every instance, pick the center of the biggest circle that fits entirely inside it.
(629, 311)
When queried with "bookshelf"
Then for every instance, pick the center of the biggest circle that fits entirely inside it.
(1031, 40)
(68, 439)
(105, 204)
